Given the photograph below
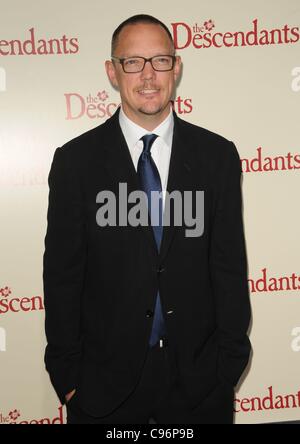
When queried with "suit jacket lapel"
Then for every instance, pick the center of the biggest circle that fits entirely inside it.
(119, 163)
(179, 178)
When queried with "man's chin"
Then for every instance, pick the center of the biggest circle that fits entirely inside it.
(148, 111)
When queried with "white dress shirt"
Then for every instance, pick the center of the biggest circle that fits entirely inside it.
(161, 148)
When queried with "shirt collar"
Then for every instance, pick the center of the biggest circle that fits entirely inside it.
(133, 132)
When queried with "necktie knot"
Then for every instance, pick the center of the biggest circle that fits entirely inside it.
(148, 141)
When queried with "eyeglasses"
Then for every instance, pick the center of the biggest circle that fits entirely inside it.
(137, 64)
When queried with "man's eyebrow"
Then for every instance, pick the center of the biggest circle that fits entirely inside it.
(138, 55)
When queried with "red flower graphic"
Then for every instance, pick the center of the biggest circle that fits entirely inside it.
(5, 292)
(14, 415)
(102, 95)
(209, 25)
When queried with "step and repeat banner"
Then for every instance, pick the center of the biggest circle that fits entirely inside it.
(241, 79)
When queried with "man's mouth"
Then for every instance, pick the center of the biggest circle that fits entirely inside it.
(146, 92)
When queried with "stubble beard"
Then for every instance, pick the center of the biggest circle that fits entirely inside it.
(147, 112)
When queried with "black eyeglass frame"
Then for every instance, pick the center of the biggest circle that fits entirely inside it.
(122, 60)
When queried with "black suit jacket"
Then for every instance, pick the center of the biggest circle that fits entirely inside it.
(100, 284)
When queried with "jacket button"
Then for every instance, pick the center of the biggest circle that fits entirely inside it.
(149, 313)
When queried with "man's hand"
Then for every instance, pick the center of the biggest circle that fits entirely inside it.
(70, 395)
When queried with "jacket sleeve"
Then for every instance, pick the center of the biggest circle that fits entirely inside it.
(63, 272)
(228, 265)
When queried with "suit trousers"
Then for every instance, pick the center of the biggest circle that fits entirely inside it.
(156, 399)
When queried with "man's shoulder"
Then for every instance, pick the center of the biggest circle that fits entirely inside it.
(201, 133)
(210, 143)
(87, 140)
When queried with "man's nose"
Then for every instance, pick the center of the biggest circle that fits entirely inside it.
(148, 72)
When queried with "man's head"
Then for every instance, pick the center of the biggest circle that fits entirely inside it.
(145, 94)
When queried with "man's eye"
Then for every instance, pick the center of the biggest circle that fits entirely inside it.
(132, 62)
(163, 60)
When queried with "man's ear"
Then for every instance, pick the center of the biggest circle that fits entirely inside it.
(111, 73)
(177, 67)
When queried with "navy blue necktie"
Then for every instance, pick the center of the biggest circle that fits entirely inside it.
(150, 181)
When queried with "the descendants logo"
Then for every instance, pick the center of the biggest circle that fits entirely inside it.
(98, 106)
(92, 106)
(17, 304)
(261, 163)
(34, 46)
(268, 284)
(268, 401)
(11, 418)
(205, 36)
(14, 417)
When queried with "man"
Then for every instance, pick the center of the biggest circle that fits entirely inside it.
(145, 321)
